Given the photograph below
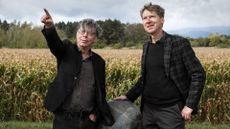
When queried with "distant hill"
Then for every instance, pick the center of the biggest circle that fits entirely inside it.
(202, 32)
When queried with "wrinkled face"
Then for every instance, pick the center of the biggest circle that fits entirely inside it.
(86, 37)
(152, 22)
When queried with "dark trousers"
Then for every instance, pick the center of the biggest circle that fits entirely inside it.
(63, 120)
(167, 117)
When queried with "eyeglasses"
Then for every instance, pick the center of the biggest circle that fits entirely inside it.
(89, 33)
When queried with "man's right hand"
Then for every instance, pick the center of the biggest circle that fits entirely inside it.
(47, 19)
(122, 97)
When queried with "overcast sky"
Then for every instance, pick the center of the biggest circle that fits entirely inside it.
(178, 13)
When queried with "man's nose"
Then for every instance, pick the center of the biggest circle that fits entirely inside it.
(148, 19)
(85, 34)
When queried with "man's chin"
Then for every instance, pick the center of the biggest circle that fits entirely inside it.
(150, 31)
(83, 45)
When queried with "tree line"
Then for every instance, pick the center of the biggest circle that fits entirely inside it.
(115, 34)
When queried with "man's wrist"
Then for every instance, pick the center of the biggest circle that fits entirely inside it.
(48, 26)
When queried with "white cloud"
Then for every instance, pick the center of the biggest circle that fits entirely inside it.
(179, 13)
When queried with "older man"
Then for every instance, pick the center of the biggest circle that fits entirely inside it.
(77, 94)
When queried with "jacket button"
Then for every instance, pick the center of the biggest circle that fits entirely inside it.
(75, 78)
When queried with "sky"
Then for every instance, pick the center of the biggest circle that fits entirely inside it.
(179, 14)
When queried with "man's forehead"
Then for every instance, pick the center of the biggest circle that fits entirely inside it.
(87, 28)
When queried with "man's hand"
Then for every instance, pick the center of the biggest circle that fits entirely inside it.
(47, 19)
(187, 113)
(122, 97)
(93, 117)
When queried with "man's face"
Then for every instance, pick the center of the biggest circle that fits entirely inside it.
(86, 37)
(152, 22)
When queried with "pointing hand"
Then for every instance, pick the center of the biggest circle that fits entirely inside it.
(47, 19)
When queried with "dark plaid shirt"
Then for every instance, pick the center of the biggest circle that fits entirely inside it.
(181, 66)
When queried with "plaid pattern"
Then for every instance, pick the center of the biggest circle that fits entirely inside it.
(181, 66)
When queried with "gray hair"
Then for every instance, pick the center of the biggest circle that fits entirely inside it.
(89, 23)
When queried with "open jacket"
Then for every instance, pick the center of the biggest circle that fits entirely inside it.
(68, 68)
(181, 66)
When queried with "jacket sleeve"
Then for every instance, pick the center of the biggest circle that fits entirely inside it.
(103, 110)
(135, 91)
(57, 47)
(196, 73)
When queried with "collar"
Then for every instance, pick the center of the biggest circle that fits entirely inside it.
(162, 39)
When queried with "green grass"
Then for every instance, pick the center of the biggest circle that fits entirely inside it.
(25, 125)
(48, 125)
(206, 125)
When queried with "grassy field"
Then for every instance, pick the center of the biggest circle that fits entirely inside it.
(40, 125)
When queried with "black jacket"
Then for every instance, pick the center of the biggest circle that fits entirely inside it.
(181, 66)
(68, 67)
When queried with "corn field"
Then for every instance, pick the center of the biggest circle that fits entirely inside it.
(26, 73)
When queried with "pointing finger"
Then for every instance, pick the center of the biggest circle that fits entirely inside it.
(47, 13)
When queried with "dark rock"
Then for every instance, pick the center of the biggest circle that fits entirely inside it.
(126, 115)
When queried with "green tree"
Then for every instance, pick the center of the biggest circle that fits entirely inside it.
(201, 42)
(2, 38)
(135, 33)
(113, 31)
(24, 36)
(5, 25)
(214, 39)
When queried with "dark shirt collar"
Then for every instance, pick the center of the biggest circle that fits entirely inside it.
(90, 52)
(90, 55)
(163, 38)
